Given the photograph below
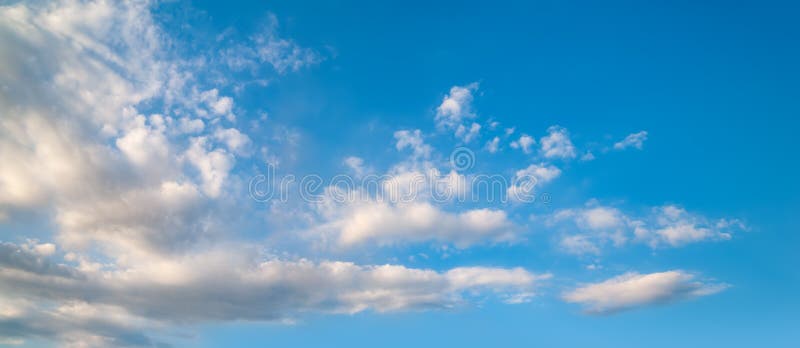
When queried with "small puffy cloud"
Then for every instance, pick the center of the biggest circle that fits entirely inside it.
(214, 165)
(525, 142)
(356, 165)
(467, 134)
(601, 218)
(456, 109)
(674, 226)
(383, 223)
(190, 126)
(635, 140)
(456, 106)
(234, 140)
(634, 290)
(493, 145)
(557, 143)
(523, 187)
(144, 143)
(579, 245)
(218, 105)
(543, 173)
(664, 226)
(413, 140)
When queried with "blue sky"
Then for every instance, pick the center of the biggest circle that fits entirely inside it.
(657, 140)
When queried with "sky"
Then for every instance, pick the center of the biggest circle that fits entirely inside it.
(306, 174)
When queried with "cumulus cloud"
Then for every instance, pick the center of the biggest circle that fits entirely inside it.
(227, 284)
(456, 109)
(635, 140)
(632, 290)
(525, 143)
(523, 187)
(674, 226)
(579, 245)
(664, 226)
(493, 145)
(557, 144)
(356, 165)
(413, 140)
(456, 106)
(384, 223)
(468, 133)
(234, 140)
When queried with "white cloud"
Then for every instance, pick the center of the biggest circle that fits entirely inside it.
(523, 187)
(356, 164)
(231, 283)
(601, 218)
(214, 165)
(525, 142)
(493, 145)
(467, 134)
(543, 173)
(557, 144)
(413, 140)
(383, 223)
(218, 105)
(633, 290)
(674, 226)
(283, 54)
(456, 109)
(456, 106)
(635, 140)
(667, 225)
(234, 140)
(267, 46)
(144, 143)
(579, 245)
(191, 126)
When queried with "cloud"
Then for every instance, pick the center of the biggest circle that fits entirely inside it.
(214, 164)
(107, 174)
(267, 46)
(234, 140)
(663, 226)
(356, 165)
(588, 156)
(635, 140)
(467, 134)
(455, 109)
(557, 144)
(633, 290)
(543, 173)
(226, 283)
(387, 224)
(674, 226)
(525, 182)
(75, 324)
(525, 142)
(413, 140)
(493, 145)
(579, 245)
(456, 106)
(219, 106)
(24, 259)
